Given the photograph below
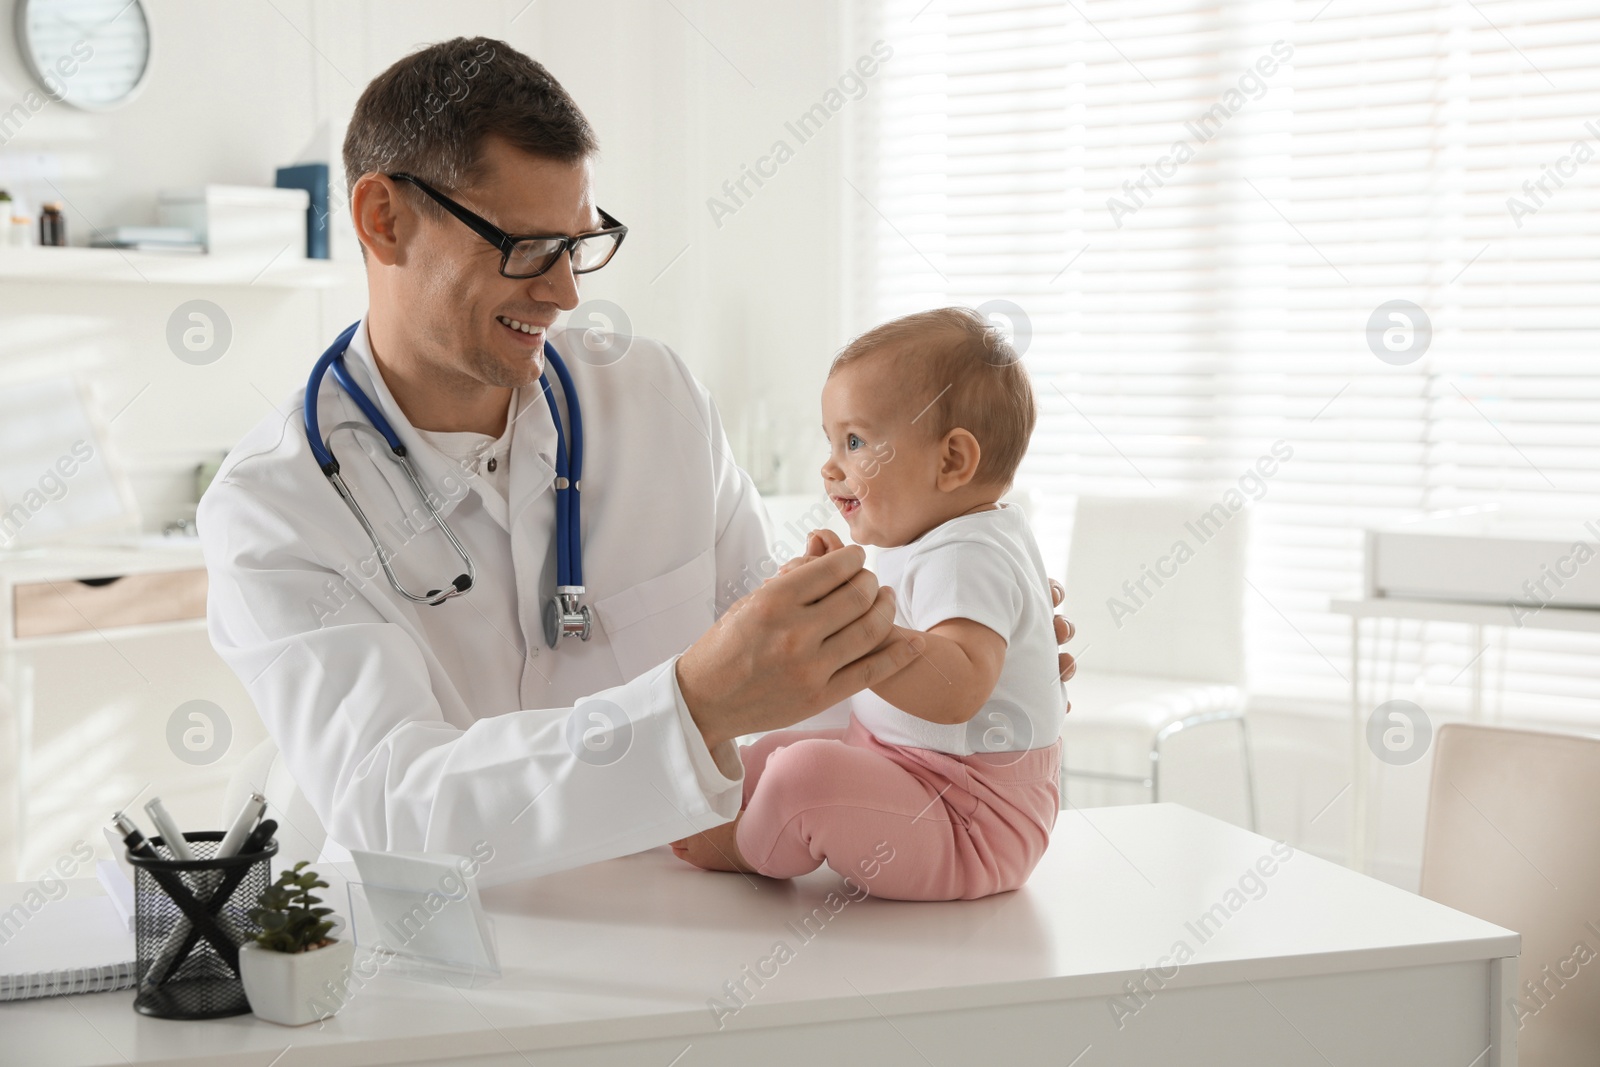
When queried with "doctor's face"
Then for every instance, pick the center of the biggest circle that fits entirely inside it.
(465, 314)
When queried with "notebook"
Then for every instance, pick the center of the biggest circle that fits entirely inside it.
(74, 945)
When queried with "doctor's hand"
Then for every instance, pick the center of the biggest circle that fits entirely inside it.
(802, 642)
(1065, 632)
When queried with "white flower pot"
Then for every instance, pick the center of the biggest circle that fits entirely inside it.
(291, 988)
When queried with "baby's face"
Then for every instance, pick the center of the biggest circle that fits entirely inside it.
(882, 467)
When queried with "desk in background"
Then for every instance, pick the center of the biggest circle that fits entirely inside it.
(1472, 566)
(91, 673)
(1478, 616)
(622, 963)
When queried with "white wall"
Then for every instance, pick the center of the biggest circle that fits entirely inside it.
(683, 103)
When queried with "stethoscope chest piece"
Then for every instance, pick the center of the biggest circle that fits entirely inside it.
(565, 615)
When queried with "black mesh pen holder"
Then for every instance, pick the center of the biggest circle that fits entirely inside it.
(192, 916)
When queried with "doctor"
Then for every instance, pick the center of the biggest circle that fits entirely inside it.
(447, 726)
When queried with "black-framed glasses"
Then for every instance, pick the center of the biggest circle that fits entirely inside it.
(530, 255)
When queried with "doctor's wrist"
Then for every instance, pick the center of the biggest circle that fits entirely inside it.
(715, 728)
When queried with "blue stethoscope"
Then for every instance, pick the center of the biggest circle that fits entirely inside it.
(565, 615)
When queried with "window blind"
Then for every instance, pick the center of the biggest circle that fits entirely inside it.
(1199, 208)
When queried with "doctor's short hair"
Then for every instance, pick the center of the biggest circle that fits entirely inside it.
(958, 370)
(429, 113)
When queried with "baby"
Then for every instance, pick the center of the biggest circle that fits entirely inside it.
(945, 784)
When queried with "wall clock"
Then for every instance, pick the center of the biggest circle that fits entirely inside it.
(92, 54)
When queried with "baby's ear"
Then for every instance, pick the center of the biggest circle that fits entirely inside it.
(959, 455)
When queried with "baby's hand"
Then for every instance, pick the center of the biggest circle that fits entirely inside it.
(818, 544)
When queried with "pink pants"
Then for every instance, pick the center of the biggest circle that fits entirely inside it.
(908, 823)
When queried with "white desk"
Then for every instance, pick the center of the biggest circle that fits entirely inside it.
(615, 964)
(1477, 616)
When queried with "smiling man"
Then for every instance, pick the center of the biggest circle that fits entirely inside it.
(435, 722)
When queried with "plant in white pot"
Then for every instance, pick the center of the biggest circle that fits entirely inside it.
(286, 968)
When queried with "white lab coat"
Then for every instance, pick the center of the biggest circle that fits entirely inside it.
(417, 727)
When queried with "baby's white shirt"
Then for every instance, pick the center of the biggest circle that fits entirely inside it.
(985, 567)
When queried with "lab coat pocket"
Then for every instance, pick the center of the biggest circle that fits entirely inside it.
(655, 620)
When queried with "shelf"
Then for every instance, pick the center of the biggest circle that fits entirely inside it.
(99, 266)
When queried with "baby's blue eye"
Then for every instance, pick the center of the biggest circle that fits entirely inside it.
(852, 442)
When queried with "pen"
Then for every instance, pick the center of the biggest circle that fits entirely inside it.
(132, 837)
(254, 805)
(253, 808)
(171, 836)
(259, 838)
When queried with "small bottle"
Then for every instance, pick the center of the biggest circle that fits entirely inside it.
(52, 227)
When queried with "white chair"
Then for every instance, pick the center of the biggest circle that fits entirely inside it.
(300, 832)
(1511, 839)
(1155, 587)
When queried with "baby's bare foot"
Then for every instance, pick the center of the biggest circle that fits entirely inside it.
(716, 849)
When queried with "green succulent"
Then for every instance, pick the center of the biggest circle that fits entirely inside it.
(287, 915)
